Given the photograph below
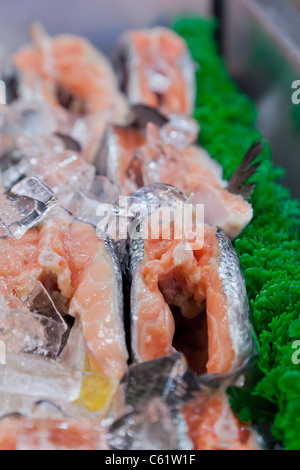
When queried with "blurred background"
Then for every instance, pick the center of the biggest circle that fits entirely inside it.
(260, 40)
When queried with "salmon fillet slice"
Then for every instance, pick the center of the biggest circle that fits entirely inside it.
(85, 269)
(134, 158)
(194, 299)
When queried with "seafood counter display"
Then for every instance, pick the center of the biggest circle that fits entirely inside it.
(123, 321)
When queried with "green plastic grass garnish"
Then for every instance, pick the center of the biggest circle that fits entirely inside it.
(269, 247)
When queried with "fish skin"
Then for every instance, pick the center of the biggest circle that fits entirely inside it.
(32, 199)
(140, 115)
(107, 157)
(69, 142)
(113, 250)
(234, 286)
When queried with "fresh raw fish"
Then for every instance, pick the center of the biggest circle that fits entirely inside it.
(162, 405)
(202, 286)
(70, 74)
(135, 160)
(67, 256)
(156, 69)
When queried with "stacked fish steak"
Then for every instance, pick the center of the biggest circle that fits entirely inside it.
(114, 339)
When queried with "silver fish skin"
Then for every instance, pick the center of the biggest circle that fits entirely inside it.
(113, 251)
(107, 158)
(234, 286)
(152, 197)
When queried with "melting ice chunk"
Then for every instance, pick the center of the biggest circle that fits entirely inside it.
(27, 380)
(23, 206)
(150, 427)
(27, 119)
(158, 378)
(181, 131)
(150, 399)
(39, 377)
(24, 331)
(40, 302)
(84, 205)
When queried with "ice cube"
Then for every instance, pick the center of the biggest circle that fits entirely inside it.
(39, 377)
(27, 380)
(85, 204)
(84, 208)
(24, 205)
(33, 188)
(149, 399)
(40, 302)
(181, 131)
(24, 331)
(158, 378)
(27, 119)
(150, 427)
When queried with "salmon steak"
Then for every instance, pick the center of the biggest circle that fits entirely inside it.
(135, 157)
(155, 69)
(67, 257)
(202, 285)
(71, 75)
